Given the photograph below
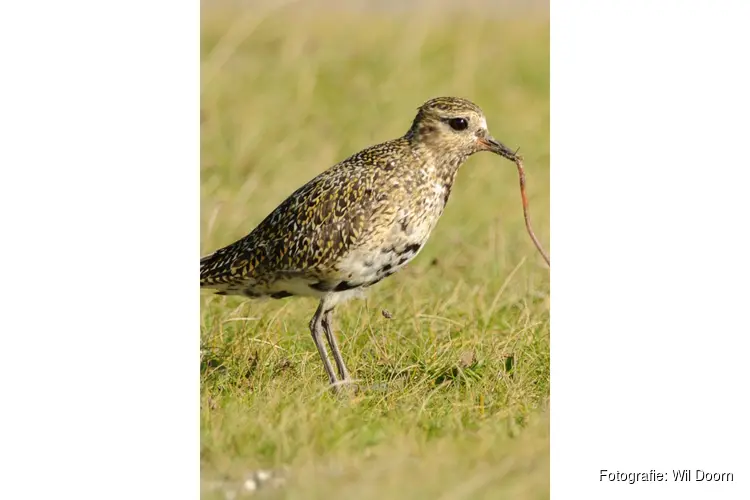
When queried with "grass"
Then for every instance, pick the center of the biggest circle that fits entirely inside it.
(458, 378)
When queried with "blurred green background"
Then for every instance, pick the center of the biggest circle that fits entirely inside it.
(458, 406)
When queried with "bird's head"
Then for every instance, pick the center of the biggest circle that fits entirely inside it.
(452, 125)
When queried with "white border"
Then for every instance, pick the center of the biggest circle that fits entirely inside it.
(99, 204)
(650, 207)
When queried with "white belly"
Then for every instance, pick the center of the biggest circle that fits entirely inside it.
(370, 264)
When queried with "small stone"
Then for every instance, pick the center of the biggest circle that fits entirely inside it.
(250, 485)
(467, 359)
(263, 475)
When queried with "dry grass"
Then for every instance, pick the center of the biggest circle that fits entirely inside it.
(459, 378)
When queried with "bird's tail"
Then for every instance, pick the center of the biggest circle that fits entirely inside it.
(205, 260)
(219, 269)
(209, 267)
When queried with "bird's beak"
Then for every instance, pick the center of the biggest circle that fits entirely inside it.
(489, 143)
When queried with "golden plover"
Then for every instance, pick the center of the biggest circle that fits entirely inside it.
(356, 223)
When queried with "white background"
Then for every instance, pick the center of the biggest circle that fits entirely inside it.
(99, 128)
(99, 199)
(650, 206)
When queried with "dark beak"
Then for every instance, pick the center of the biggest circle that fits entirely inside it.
(489, 143)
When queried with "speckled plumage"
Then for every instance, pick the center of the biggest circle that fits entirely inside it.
(357, 222)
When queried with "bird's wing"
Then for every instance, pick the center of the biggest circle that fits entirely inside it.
(308, 233)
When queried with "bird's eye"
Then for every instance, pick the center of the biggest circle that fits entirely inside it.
(458, 123)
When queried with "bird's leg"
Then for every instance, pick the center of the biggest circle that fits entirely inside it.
(327, 325)
(316, 328)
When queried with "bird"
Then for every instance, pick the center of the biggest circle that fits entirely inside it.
(356, 223)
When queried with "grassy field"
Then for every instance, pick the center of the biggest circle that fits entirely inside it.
(458, 398)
